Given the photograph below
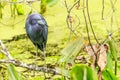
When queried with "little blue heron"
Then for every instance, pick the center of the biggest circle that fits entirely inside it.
(37, 31)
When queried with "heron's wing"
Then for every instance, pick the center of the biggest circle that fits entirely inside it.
(31, 40)
(45, 33)
(40, 46)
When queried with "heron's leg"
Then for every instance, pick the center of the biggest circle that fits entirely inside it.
(45, 66)
(36, 52)
(36, 58)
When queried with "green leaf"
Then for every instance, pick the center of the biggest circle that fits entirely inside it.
(113, 49)
(113, 52)
(13, 74)
(83, 72)
(20, 10)
(109, 60)
(43, 6)
(51, 2)
(71, 51)
(107, 74)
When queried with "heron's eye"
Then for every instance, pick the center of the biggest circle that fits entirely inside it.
(33, 21)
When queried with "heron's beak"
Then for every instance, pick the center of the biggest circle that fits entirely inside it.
(40, 22)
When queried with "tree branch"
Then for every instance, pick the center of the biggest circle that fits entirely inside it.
(19, 1)
(91, 23)
(11, 60)
(88, 34)
(103, 6)
(69, 24)
(5, 51)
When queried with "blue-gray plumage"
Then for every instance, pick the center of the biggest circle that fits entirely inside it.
(37, 30)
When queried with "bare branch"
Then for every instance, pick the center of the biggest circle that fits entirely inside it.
(31, 67)
(89, 34)
(77, 2)
(91, 23)
(21, 64)
(20, 1)
(69, 16)
(112, 9)
(103, 6)
(4, 51)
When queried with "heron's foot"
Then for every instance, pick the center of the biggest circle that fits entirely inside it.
(45, 72)
(45, 69)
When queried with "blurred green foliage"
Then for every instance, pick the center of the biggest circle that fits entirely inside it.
(83, 72)
(107, 74)
(44, 3)
(59, 39)
(13, 74)
(70, 52)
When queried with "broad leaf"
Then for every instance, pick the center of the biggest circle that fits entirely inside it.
(113, 49)
(71, 50)
(13, 74)
(83, 72)
(20, 10)
(107, 74)
(51, 2)
(109, 61)
(101, 52)
(113, 52)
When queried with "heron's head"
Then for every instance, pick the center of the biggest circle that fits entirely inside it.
(36, 18)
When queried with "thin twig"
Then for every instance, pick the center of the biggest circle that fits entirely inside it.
(88, 33)
(113, 11)
(77, 2)
(110, 34)
(78, 21)
(31, 67)
(70, 25)
(91, 22)
(110, 11)
(4, 51)
(111, 24)
(112, 5)
(103, 6)
(68, 16)
(19, 1)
